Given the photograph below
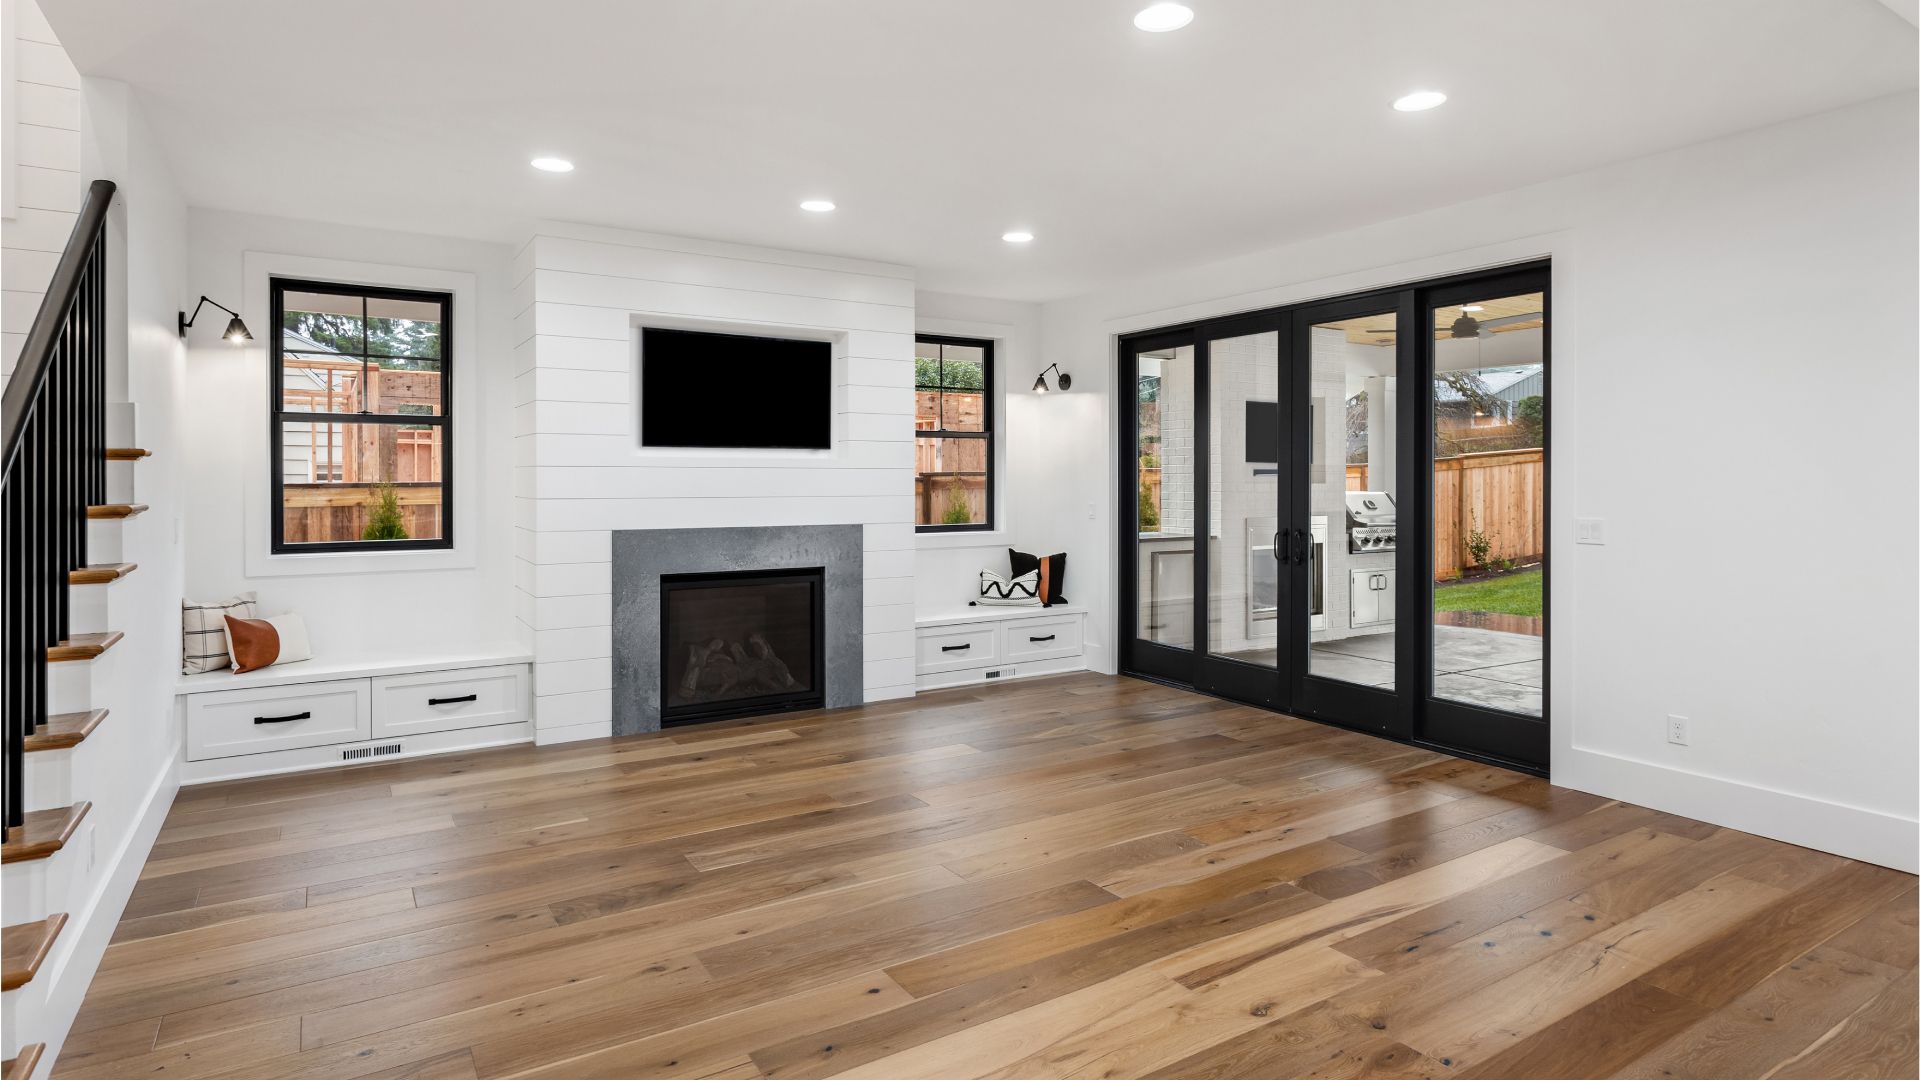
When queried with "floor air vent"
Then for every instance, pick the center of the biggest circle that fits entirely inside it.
(361, 753)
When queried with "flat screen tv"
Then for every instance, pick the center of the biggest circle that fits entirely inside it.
(733, 391)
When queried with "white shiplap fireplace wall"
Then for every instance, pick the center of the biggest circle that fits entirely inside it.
(580, 474)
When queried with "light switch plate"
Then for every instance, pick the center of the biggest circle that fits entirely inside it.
(1589, 531)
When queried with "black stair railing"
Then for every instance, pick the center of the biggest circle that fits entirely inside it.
(54, 421)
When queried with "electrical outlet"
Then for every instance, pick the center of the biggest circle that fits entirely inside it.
(1677, 730)
(1090, 512)
(1589, 531)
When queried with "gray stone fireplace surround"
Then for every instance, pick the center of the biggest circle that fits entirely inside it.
(642, 556)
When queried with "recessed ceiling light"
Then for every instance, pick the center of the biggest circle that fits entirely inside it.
(1016, 237)
(818, 206)
(1420, 101)
(1162, 17)
(552, 164)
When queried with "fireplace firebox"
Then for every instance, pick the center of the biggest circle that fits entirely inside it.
(741, 644)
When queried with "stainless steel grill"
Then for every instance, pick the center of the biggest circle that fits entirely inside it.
(1370, 522)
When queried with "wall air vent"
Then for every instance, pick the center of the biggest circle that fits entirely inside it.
(998, 673)
(361, 753)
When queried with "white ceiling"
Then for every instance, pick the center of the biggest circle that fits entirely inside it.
(938, 124)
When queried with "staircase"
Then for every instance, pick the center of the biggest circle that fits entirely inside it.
(64, 498)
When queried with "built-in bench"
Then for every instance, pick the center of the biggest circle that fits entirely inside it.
(978, 644)
(347, 709)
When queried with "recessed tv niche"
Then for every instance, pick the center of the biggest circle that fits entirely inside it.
(734, 391)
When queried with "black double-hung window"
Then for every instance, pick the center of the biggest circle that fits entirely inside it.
(361, 418)
(953, 434)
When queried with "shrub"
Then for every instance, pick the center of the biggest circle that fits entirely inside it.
(383, 515)
(1478, 545)
(1149, 513)
(957, 512)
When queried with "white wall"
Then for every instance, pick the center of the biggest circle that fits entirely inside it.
(462, 600)
(947, 573)
(580, 293)
(1737, 283)
(40, 185)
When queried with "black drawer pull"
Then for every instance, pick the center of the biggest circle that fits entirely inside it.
(283, 719)
(1049, 637)
(452, 700)
(956, 648)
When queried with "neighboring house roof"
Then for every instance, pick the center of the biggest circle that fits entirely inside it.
(1509, 384)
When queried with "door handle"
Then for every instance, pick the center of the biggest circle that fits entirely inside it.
(1303, 543)
(283, 719)
(452, 700)
(1279, 553)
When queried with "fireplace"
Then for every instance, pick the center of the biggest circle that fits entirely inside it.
(741, 643)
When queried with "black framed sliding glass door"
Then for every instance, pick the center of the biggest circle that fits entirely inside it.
(1338, 509)
(1484, 427)
(1158, 553)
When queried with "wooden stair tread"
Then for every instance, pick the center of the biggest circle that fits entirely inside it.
(115, 511)
(82, 647)
(64, 730)
(100, 573)
(127, 453)
(25, 947)
(22, 1066)
(42, 832)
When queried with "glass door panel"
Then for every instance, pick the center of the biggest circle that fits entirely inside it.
(1353, 498)
(1164, 441)
(1489, 502)
(1243, 500)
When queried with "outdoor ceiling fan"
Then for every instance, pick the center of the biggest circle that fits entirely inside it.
(1466, 326)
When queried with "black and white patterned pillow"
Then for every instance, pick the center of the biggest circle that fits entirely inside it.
(1021, 591)
(203, 631)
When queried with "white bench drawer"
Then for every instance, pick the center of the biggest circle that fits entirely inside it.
(1038, 639)
(448, 700)
(949, 648)
(235, 722)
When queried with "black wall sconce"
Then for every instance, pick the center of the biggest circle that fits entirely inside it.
(1040, 384)
(236, 330)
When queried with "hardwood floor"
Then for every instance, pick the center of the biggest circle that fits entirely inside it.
(1082, 877)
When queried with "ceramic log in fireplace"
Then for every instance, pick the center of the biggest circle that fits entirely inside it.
(740, 644)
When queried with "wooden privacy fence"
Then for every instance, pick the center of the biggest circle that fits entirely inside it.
(1503, 490)
(1502, 493)
(320, 513)
(933, 491)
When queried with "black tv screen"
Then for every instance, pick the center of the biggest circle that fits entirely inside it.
(734, 391)
(1263, 432)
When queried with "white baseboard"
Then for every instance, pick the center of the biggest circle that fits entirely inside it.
(594, 729)
(1855, 832)
(310, 758)
(92, 928)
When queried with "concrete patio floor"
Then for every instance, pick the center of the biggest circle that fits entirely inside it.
(1491, 668)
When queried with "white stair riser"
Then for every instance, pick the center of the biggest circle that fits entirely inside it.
(81, 684)
(106, 540)
(50, 779)
(30, 891)
(97, 609)
(120, 481)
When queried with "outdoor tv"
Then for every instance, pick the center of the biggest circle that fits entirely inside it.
(732, 391)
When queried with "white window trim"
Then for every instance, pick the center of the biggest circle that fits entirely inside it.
(260, 267)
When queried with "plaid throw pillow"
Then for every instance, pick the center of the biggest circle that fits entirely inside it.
(203, 631)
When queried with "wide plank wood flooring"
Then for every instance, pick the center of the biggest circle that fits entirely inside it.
(1085, 876)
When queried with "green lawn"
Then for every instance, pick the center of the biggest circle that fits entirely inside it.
(1509, 594)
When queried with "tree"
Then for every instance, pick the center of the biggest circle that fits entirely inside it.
(383, 515)
(1530, 415)
(930, 372)
(417, 341)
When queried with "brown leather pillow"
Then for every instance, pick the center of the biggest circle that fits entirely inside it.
(254, 642)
